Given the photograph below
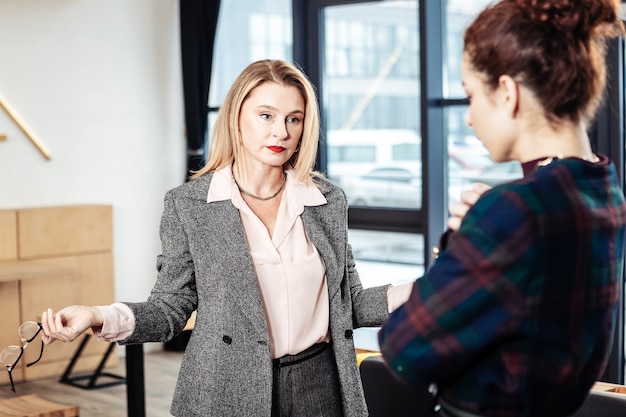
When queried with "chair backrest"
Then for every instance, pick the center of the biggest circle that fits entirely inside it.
(601, 404)
(386, 396)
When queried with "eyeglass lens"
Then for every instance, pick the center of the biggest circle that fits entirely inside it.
(10, 355)
(28, 331)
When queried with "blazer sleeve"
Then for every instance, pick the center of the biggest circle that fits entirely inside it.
(369, 304)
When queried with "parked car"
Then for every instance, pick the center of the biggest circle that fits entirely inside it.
(356, 152)
(470, 159)
(492, 175)
(499, 173)
(387, 187)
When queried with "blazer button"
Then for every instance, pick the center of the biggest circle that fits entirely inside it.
(348, 334)
(227, 339)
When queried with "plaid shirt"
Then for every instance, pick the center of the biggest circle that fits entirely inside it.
(515, 317)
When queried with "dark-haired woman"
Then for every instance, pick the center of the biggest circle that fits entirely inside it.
(516, 315)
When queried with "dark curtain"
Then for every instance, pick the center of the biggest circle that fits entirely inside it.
(198, 24)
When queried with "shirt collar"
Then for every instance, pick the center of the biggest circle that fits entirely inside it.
(531, 166)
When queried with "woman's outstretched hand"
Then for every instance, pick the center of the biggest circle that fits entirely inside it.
(468, 199)
(69, 323)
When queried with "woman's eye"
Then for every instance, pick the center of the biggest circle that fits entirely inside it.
(293, 120)
(265, 116)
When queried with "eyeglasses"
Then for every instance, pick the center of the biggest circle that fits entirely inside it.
(11, 355)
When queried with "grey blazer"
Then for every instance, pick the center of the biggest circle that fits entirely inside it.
(206, 266)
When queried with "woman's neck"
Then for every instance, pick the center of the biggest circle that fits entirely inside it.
(566, 140)
(259, 183)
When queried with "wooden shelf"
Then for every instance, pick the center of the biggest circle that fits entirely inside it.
(22, 270)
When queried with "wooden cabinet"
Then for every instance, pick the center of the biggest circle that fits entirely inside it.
(53, 257)
(8, 235)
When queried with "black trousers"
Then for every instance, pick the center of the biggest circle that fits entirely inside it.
(307, 384)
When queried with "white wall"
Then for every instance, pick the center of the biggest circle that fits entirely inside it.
(99, 83)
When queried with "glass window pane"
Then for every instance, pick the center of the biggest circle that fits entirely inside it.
(248, 30)
(371, 102)
(459, 13)
(253, 29)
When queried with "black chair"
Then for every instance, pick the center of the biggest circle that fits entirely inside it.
(601, 404)
(387, 396)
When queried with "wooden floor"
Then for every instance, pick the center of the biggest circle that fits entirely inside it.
(160, 370)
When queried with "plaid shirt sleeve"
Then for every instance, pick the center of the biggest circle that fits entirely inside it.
(467, 298)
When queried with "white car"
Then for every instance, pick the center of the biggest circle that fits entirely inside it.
(386, 187)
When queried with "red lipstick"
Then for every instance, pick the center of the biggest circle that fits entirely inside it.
(276, 149)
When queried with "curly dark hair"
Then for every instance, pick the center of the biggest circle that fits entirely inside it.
(554, 48)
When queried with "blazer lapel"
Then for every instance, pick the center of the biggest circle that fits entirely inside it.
(317, 230)
(244, 280)
(221, 233)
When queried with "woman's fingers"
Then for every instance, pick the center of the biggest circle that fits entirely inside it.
(454, 223)
(65, 325)
(469, 197)
(46, 317)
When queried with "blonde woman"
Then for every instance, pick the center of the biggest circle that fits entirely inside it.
(257, 243)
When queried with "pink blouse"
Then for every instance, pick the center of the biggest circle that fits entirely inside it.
(290, 271)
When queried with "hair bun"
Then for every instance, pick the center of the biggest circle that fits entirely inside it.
(582, 16)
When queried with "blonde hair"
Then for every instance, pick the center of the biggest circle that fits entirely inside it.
(225, 140)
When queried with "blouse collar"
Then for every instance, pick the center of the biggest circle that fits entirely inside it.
(223, 188)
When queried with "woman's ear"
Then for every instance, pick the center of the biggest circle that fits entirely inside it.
(508, 94)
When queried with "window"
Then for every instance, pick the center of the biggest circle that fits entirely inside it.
(370, 80)
(254, 29)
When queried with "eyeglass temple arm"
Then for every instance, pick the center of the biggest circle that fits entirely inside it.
(9, 369)
(39, 358)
